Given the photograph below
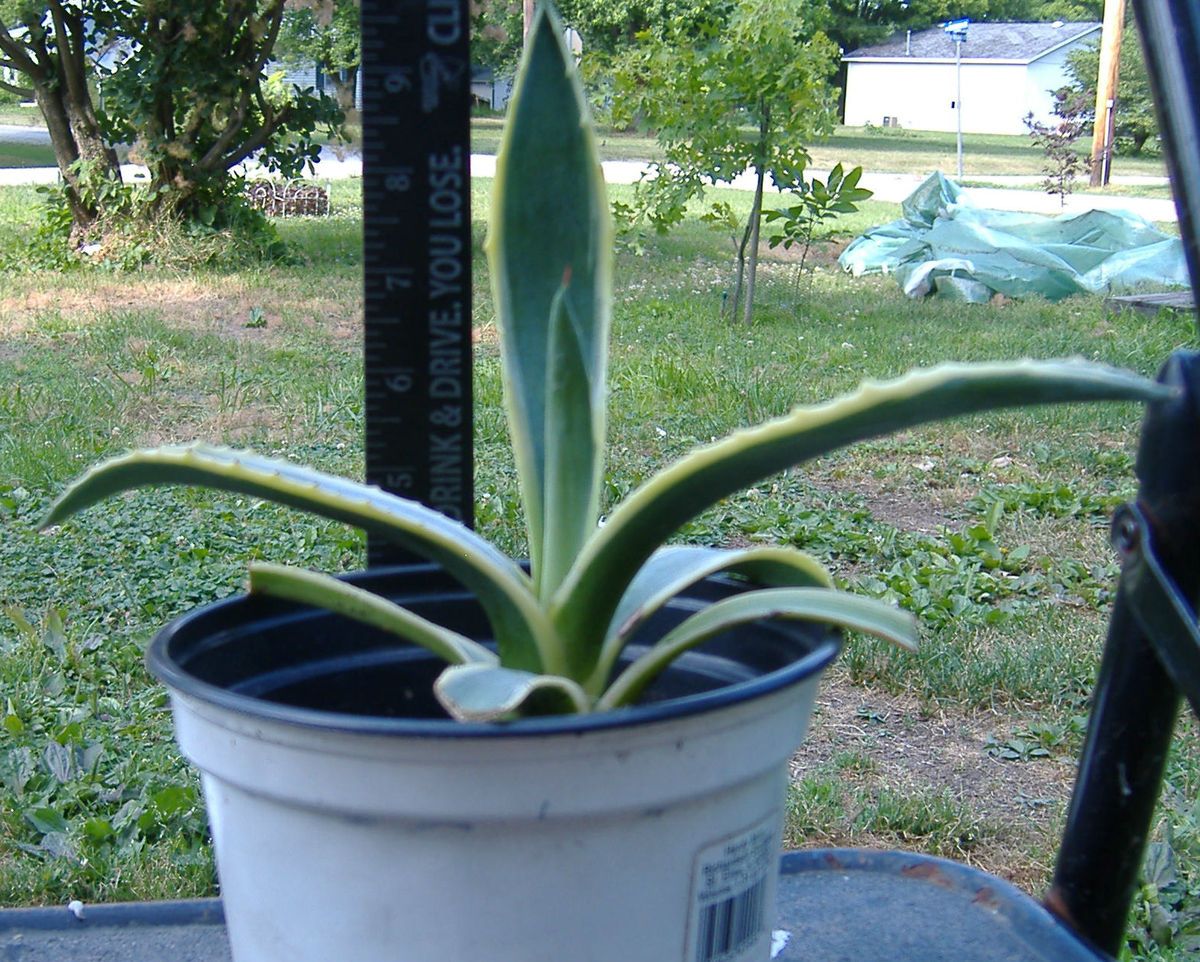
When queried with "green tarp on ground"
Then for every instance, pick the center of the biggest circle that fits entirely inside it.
(944, 246)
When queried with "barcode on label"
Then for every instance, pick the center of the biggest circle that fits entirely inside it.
(733, 890)
(729, 926)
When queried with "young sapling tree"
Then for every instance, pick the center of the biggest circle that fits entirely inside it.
(1063, 161)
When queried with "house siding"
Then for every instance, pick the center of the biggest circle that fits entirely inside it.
(1045, 76)
(304, 76)
(918, 94)
(921, 96)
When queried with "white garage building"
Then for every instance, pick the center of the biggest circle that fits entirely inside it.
(1008, 70)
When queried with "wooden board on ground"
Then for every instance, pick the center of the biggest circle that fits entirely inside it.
(1184, 300)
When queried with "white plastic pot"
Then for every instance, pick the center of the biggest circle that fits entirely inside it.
(649, 834)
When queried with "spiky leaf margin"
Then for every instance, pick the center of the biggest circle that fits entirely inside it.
(503, 589)
(585, 603)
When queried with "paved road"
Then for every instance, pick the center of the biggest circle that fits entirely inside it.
(21, 134)
(335, 165)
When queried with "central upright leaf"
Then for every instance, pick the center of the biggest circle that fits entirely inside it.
(550, 252)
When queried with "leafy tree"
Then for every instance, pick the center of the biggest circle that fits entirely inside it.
(746, 93)
(1134, 120)
(497, 28)
(184, 83)
(860, 23)
(328, 36)
(49, 48)
(610, 26)
(1068, 10)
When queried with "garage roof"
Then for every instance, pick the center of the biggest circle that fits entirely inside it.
(1009, 42)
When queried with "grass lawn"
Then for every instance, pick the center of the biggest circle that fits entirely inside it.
(13, 154)
(24, 115)
(877, 149)
(992, 529)
(1153, 191)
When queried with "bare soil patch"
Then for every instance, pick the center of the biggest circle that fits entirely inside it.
(927, 491)
(251, 421)
(821, 253)
(922, 509)
(220, 306)
(910, 514)
(898, 746)
(902, 510)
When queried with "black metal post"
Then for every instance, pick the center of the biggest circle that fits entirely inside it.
(417, 255)
(1137, 698)
(1170, 31)
(1138, 691)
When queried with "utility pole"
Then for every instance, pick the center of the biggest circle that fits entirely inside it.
(958, 98)
(1106, 90)
(956, 30)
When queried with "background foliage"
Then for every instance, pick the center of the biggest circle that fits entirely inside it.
(329, 36)
(1136, 125)
(184, 85)
(744, 92)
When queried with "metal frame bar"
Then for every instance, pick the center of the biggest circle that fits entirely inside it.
(1170, 31)
(1151, 657)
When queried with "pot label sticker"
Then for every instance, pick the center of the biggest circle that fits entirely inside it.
(730, 886)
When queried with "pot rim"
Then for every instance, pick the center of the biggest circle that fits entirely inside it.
(167, 669)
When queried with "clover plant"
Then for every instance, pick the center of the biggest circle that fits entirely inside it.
(560, 629)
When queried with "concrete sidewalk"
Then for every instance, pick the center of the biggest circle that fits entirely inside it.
(339, 165)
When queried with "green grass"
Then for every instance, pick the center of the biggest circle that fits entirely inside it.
(1151, 191)
(875, 149)
(24, 115)
(919, 151)
(95, 802)
(938, 824)
(14, 154)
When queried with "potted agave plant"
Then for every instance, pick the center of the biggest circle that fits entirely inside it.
(610, 784)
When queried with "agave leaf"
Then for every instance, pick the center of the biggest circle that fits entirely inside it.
(590, 594)
(502, 588)
(478, 692)
(674, 568)
(574, 431)
(323, 591)
(825, 605)
(551, 232)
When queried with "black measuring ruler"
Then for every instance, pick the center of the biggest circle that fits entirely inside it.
(417, 256)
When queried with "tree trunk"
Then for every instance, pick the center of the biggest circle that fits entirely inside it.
(752, 229)
(740, 276)
(754, 221)
(74, 137)
(53, 60)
